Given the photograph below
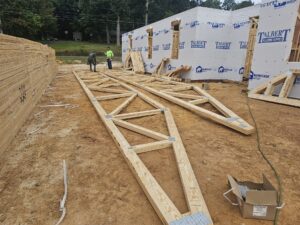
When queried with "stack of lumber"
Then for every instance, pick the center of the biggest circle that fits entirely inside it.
(134, 60)
(27, 68)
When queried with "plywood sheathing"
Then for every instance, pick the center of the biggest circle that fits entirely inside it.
(27, 68)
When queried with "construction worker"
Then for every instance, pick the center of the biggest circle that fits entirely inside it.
(109, 55)
(92, 61)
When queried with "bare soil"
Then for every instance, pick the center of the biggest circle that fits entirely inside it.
(102, 189)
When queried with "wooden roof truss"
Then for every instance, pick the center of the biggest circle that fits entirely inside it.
(174, 92)
(265, 91)
(114, 89)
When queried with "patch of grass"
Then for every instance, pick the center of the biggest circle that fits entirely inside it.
(83, 59)
(78, 48)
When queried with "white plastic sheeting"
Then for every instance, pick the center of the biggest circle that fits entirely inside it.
(214, 42)
(274, 42)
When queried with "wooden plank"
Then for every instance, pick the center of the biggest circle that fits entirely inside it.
(123, 105)
(273, 82)
(182, 88)
(175, 45)
(259, 89)
(142, 148)
(250, 46)
(93, 81)
(108, 85)
(137, 62)
(270, 89)
(155, 104)
(140, 130)
(287, 86)
(115, 96)
(199, 101)
(138, 114)
(274, 99)
(191, 188)
(218, 105)
(109, 90)
(180, 95)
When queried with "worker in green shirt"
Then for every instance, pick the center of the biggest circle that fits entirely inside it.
(109, 55)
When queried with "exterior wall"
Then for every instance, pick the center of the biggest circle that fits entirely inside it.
(206, 42)
(214, 42)
(238, 35)
(212, 30)
(274, 42)
(162, 40)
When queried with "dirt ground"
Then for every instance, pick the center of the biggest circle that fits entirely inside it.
(102, 189)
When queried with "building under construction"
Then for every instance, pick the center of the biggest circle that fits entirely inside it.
(199, 126)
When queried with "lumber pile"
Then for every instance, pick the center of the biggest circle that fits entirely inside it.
(134, 61)
(265, 92)
(27, 68)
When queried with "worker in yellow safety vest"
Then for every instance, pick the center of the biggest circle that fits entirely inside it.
(109, 55)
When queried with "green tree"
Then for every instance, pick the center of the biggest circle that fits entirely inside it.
(243, 4)
(32, 19)
(216, 4)
(228, 5)
(67, 14)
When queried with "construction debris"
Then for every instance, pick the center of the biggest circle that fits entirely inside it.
(266, 91)
(160, 201)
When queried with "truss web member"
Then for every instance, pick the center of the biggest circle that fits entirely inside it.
(109, 55)
(92, 61)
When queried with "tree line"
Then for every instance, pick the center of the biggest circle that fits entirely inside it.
(96, 20)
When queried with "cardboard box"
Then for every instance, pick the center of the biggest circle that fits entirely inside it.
(255, 200)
